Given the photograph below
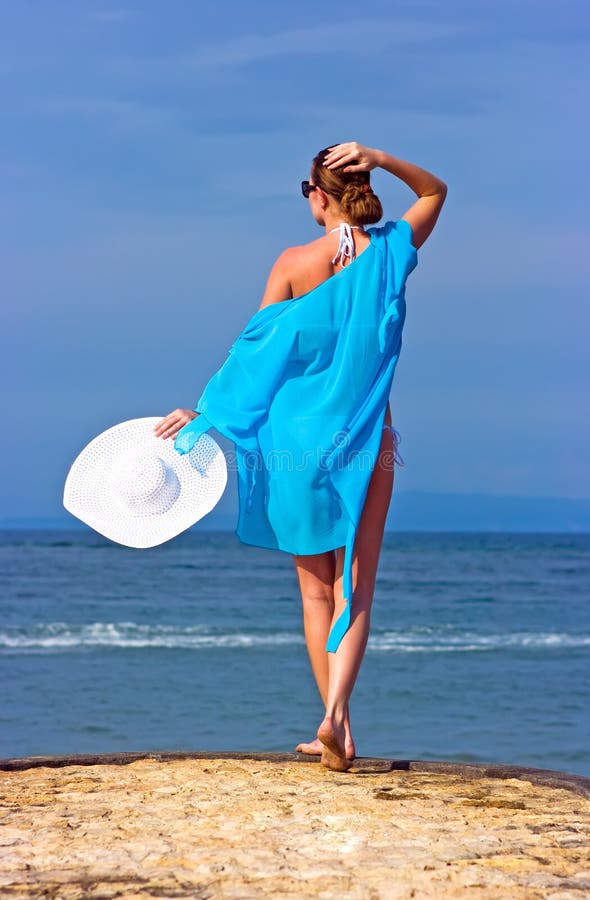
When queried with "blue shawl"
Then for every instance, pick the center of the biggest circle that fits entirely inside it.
(303, 395)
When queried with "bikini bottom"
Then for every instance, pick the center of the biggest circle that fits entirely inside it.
(396, 441)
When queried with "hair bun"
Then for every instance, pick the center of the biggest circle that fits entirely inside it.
(352, 190)
(355, 190)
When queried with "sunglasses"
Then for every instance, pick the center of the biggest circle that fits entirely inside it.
(307, 188)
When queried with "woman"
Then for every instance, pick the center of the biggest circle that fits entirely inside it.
(342, 202)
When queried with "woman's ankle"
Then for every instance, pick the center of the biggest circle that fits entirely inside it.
(338, 713)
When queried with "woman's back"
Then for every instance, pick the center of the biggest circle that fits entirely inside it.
(311, 264)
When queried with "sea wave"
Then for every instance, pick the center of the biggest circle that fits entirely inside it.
(439, 642)
(63, 636)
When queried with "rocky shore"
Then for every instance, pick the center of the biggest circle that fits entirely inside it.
(253, 825)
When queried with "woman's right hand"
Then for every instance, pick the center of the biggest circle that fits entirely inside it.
(170, 425)
(355, 157)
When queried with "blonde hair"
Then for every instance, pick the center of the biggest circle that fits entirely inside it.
(352, 190)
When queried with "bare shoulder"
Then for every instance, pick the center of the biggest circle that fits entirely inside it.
(299, 255)
(300, 269)
(278, 286)
(296, 259)
(288, 258)
(287, 264)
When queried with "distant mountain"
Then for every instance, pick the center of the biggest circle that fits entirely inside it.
(427, 511)
(414, 511)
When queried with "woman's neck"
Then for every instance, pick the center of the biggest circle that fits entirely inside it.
(333, 224)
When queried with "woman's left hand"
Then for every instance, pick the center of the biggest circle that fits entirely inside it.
(170, 425)
(352, 157)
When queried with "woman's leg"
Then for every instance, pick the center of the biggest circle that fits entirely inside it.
(344, 665)
(316, 574)
(316, 582)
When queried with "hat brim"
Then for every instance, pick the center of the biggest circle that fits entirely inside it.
(202, 476)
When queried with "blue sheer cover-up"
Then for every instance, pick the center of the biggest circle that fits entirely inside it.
(303, 395)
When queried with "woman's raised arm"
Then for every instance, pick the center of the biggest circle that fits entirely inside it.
(431, 191)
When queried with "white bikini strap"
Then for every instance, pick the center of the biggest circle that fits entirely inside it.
(346, 245)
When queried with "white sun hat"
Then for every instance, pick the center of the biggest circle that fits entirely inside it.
(136, 489)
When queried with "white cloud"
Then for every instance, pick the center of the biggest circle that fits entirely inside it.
(361, 37)
(358, 38)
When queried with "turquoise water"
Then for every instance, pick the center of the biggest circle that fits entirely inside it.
(479, 650)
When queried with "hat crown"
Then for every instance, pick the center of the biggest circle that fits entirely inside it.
(143, 483)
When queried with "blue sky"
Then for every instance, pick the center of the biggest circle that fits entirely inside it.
(150, 168)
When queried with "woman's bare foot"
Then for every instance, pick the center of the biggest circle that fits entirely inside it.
(334, 762)
(315, 748)
(332, 737)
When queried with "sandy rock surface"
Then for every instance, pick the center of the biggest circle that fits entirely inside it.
(246, 828)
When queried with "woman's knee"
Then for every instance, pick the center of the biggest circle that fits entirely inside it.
(318, 597)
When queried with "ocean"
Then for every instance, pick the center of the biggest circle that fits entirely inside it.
(479, 648)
